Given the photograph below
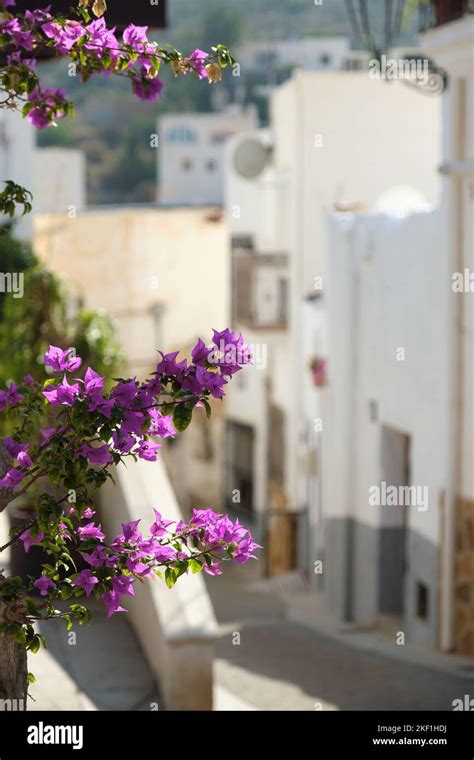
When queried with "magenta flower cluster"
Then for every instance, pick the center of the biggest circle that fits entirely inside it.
(98, 427)
(95, 49)
(114, 567)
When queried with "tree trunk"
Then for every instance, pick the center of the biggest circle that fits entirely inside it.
(13, 657)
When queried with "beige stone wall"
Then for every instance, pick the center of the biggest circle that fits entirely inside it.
(135, 263)
(163, 276)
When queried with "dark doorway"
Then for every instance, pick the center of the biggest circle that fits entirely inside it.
(239, 466)
(395, 466)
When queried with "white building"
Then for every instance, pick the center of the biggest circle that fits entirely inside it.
(16, 159)
(55, 176)
(59, 180)
(385, 421)
(400, 395)
(191, 153)
(451, 45)
(309, 53)
(338, 141)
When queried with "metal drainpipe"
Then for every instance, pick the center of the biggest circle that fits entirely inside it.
(456, 378)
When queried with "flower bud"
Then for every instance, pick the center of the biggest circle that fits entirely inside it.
(214, 72)
(99, 8)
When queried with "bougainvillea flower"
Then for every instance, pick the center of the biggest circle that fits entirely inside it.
(147, 450)
(134, 35)
(147, 89)
(10, 396)
(91, 531)
(162, 426)
(12, 478)
(62, 361)
(96, 454)
(87, 581)
(93, 382)
(197, 60)
(112, 603)
(44, 584)
(64, 394)
(169, 366)
(28, 539)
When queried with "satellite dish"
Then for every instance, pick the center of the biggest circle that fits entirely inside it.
(251, 157)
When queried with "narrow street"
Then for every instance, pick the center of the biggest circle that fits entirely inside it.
(281, 665)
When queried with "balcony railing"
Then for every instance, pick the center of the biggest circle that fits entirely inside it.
(439, 12)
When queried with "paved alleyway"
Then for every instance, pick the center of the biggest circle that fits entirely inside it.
(281, 665)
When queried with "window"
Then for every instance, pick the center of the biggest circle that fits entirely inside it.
(325, 59)
(181, 135)
(239, 466)
(186, 164)
(422, 601)
(211, 165)
(282, 301)
(218, 138)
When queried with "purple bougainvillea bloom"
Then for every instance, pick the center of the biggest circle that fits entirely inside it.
(147, 450)
(93, 382)
(97, 558)
(213, 569)
(65, 35)
(132, 423)
(211, 381)
(162, 426)
(18, 451)
(123, 584)
(44, 584)
(124, 393)
(123, 443)
(130, 532)
(134, 35)
(28, 539)
(197, 59)
(112, 602)
(200, 353)
(62, 394)
(96, 455)
(47, 433)
(192, 385)
(97, 403)
(87, 581)
(48, 104)
(62, 361)
(10, 396)
(169, 366)
(12, 478)
(91, 530)
(164, 553)
(159, 527)
(29, 380)
(147, 89)
(101, 40)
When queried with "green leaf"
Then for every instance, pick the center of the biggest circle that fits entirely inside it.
(31, 678)
(207, 407)
(195, 566)
(182, 417)
(34, 644)
(170, 578)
